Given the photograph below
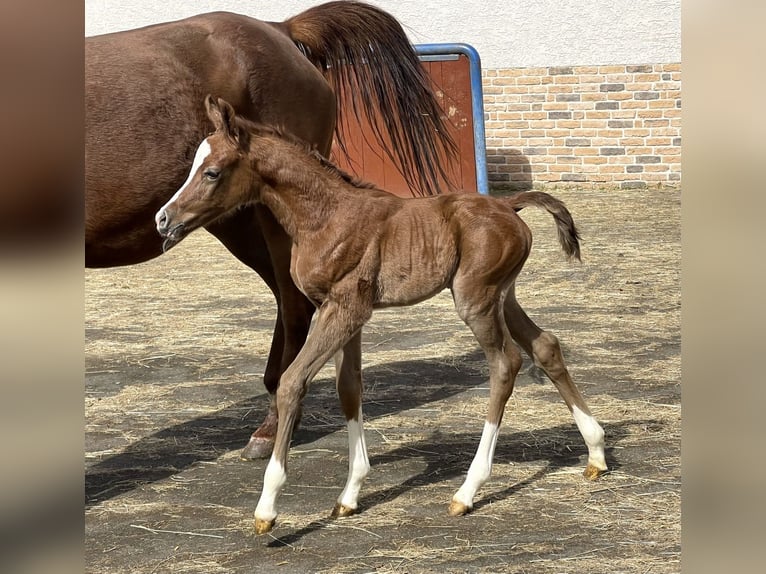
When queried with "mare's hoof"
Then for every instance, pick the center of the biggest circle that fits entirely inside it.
(258, 447)
(592, 473)
(458, 508)
(261, 442)
(263, 526)
(341, 511)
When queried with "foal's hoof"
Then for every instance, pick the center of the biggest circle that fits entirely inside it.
(341, 511)
(258, 447)
(458, 508)
(263, 526)
(592, 472)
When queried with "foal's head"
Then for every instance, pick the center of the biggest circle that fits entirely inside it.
(220, 180)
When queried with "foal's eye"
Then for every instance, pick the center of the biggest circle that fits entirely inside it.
(211, 174)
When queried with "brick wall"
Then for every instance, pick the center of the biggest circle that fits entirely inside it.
(584, 126)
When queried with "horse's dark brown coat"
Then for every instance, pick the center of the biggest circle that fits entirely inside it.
(144, 118)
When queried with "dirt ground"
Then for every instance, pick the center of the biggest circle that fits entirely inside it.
(175, 350)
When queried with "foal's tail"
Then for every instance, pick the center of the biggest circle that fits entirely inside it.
(367, 58)
(569, 237)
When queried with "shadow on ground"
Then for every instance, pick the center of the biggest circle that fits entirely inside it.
(412, 385)
(447, 456)
(205, 438)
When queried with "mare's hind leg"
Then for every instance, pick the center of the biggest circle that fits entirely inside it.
(485, 320)
(348, 364)
(545, 350)
(255, 238)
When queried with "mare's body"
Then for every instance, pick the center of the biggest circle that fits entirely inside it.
(144, 119)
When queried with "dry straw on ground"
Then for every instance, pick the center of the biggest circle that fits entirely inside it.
(174, 354)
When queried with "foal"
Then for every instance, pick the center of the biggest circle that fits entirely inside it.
(355, 250)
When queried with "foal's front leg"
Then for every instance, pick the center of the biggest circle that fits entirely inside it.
(256, 239)
(334, 326)
(349, 383)
(294, 312)
(290, 332)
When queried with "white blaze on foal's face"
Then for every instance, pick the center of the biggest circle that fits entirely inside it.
(203, 152)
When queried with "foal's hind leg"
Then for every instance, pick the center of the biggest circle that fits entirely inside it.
(485, 320)
(545, 350)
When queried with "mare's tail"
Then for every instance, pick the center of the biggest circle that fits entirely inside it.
(367, 58)
(569, 237)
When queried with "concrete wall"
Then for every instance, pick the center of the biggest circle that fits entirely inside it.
(577, 92)
(507, 33)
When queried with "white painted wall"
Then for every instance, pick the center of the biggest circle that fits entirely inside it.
(507, 33)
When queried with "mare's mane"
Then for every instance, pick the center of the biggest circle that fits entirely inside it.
(302, 146)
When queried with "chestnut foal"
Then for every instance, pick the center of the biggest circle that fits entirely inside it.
(355, 250)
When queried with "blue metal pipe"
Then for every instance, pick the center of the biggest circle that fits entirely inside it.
(425, 51)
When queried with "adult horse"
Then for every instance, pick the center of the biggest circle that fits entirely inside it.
(144, 120)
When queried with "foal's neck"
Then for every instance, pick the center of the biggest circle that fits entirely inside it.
(302, 193)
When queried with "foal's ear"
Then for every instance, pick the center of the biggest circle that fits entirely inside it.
(222, 115)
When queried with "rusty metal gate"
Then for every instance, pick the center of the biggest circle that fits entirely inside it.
(455, 74)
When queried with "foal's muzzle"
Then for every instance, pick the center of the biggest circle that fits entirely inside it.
(172, 233)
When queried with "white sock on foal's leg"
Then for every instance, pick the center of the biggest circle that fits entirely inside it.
(478, 473)
(358, 468)
(593, 435)
(273, 481)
